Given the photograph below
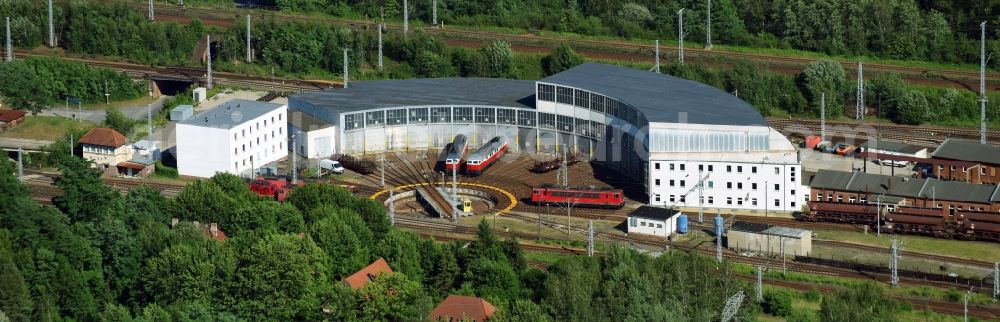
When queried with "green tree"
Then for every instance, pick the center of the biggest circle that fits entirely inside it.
(15, 298)
(825, 77)
(85, 197)
(494, 280)
(121, 256)
(913, 108)
(498, 60)
(187, 272)
(867, 302)
(278, 277)
(117, 121)
(429, 64)
(778, 303)
(345, 250)
(392, 297)
(561, 58)
(520, 311)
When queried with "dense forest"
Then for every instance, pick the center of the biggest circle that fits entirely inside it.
(35, 82)
(316, 50)
(101, 255)
(944, 31)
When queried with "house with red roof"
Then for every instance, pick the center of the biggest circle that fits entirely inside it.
(463, 308)
(10, 118)
(365, 275)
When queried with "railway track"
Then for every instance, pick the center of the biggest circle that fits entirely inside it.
(197, 75)
(918, 135)
(594, 49)
(877, 249)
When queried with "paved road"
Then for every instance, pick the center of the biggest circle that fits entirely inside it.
(27, 144)
(98, 116)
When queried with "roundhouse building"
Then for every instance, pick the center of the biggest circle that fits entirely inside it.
(663, 130)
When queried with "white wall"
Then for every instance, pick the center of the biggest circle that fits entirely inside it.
(646, 226)
(316, 143)
(203, 151)
(727, 182)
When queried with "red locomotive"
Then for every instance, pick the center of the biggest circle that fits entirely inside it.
(583, 197)
(274, 188)
(486, 156)
(937, 222)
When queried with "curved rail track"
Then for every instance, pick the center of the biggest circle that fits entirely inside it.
(919, 135)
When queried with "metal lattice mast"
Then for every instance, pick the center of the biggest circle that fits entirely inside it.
(52, 27)
(10, 46)
(759, 288)
(894, 263)
(380, 26)
(454, 182)
(861, 94)
(822, 116)
(680, 36)
(149, 123)
(708, 26)
(151, 16)
(346, 68)
(590, 238)
(406, 17)
(434, 12)
(295, 159)
(381, 168)
(208, 61)
(249, 53)
(20, 164)
(657, 53)
(982, 83)
(71, 153)
(565, 169)
(732, 306)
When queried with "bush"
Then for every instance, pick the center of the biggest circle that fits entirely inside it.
(163, 171)
(813, 295)
(778, 303)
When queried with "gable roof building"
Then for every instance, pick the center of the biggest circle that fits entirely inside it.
(956, 149)
(104, 137)
(365, 275)
(463, 308)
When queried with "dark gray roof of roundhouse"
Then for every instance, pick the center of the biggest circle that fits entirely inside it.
(661, 97)
(366, 95)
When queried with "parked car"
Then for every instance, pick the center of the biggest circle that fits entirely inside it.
(332, 166)
(844, 149)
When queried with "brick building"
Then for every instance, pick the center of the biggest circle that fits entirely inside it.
(984, 159)
(860, 187)
(10, 118)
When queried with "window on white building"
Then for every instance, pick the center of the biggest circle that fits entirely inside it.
(671, 182)
(739, 201)
(682, 167)
(753, 201)
(739, 169)
(777, 203)
(710, 168)
(739, 186)
(656, 165)
(729, 185)
(729, 200)
(793, 192)
(672, 198)
(671, 167)
(711, 184)
(793, 204)
(236, 165)
(729, 168)
(753, 169)
(777, 187)
(657, 182)
(683, 199)
(753, 185)
(656, 197)
(682, 183)
(236, 151)
(701, 167)
(244, 148)
(659, 225)
(711, 200)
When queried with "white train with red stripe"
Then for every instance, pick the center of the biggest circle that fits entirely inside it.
(456, 153)
(486, 156)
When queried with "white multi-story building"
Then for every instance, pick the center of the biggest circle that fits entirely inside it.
(655, 128)
(235, 137)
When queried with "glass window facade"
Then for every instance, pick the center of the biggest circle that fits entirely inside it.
(485, 115)
(440, 115)
(581, 98)
(418, 115)
(565, 123)
(376, 118)
(564, 95)
(463, 115)
(396, 117)
(506, 116)
(547, 92)
(546, 120)
(353, 121)
(526, 118)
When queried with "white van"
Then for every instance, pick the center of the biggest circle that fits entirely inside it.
(332, 166)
